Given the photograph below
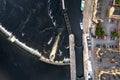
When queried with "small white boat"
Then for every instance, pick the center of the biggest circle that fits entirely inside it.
(81, 25)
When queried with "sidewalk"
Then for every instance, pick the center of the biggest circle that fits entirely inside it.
(87, 15)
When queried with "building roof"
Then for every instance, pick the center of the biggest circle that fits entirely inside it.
(114, 12)
(117, 10)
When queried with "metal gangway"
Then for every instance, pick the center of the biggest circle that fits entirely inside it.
(71, 44)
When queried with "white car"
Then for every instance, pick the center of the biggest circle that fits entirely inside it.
(109, 20)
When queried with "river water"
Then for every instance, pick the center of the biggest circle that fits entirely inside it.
(37, 23)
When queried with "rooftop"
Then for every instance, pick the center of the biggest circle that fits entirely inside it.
(114, 12)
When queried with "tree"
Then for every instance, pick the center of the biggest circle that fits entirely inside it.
(114, 33)
(99, 31)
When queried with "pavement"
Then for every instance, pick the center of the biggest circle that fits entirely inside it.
(106, 57)
(87, 15)
(87, 22)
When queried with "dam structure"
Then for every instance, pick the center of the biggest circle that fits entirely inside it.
(10, 37)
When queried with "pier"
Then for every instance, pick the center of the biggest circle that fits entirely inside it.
(71, 44)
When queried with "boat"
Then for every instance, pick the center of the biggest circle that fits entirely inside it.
(82, 5)
(81, 25)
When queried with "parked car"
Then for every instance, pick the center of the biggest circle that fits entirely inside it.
(113, 38)
(89, 40)
(109, 20)
(101, 37)
(110, 46)
(89, 48)
(113, 20)
(96, 37)
(104, 46)
(87, 34)
(88, 37)
(89, 43)
(107, 45)
(114, 46)
(98, 45)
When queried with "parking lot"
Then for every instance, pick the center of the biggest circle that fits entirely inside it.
(107, 76)
(108, 59)
(107, 41)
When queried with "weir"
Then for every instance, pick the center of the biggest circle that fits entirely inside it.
(10, 37)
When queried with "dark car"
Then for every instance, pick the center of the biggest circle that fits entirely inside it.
(98, 45)
(89, 44)
(110, 46)
(88, 40)
(89, 48)
(114, 46)
(104, 46)
(90, 79)
(113, 38)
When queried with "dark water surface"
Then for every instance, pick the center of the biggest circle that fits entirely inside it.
(30, 22)
(14, 65)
